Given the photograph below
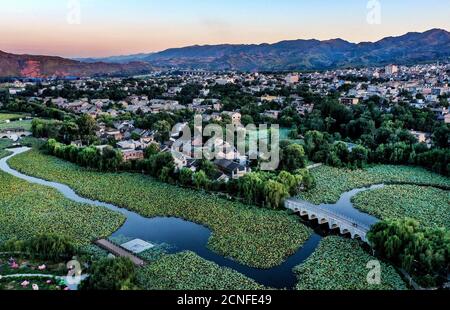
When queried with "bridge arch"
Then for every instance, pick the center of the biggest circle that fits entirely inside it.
(345, 225)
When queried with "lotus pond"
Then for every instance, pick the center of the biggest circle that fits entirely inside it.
(340, 264)
(332, 182)
(188, 271)
(252, 236)
(430, 206)
(27, 210)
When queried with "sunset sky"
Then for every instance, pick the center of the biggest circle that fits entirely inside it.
(117, 27)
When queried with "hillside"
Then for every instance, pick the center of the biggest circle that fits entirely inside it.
(33, 66)
(410, 48)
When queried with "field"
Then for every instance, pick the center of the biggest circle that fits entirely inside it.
(430, 206)
(340, 264)
(333, 182)
(25, 125)
(7, 116)
(252, 236)
(187, 271)
(27, 210)
(4, 143)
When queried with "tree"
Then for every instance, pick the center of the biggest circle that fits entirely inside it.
(441, 136)
(110, 159)
(186, 176)
(163, 129)
(111, 275)
(87, 127)
(293, 157)
(246, 120)
(313, 140)
(275, 194)
(251, 188)
(359, 156)
(69, 132)
(200, 180)
(156, 163)
(291, 182)
(422, 251)
(209, 168)
(151, 150)
(50, 247)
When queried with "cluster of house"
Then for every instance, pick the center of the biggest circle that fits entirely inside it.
(229, 162)
(132, 142)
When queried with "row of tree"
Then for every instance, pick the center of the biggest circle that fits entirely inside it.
(423, 252)
(401, 150)
(104, 159)
(82, 128)
(55, 248)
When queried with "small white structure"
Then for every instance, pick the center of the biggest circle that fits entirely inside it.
(137, 246)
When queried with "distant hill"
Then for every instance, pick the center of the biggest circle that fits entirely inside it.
(33, 66)
(410, 48)
(116, 59)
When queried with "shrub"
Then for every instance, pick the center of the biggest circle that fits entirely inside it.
(111, 274)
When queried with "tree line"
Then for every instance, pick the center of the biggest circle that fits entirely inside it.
(423, 252)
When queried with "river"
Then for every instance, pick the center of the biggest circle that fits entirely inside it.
(182, 235)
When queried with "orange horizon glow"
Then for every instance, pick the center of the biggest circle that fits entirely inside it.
(41, 28)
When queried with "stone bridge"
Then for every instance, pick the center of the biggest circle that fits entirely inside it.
(334, 220)
(14, 134)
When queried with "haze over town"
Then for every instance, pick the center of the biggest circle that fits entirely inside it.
(114, 27)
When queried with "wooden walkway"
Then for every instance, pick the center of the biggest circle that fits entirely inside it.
(119, 251)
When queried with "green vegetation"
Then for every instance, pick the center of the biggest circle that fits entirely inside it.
(256, 237)
(50, 247)
(10, 116)
(44, 284)
(106, 159)
(377, 136)
(4, 143)
(29, 266)
(430, 206)
(111, 275)
(331, 182)
(27, 210)
(423, 252)
(187, 271)
(4, 153)
(24, 125)
(340, 264)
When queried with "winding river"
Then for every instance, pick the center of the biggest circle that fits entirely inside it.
(182, 235)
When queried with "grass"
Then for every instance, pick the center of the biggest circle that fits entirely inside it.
(333, 182)
(430, 206)
(340, 264)
(252, 236)
(27, 210)
(4, 153)
(8, 116)
(24, 125)
(4, 143)
(187, 271)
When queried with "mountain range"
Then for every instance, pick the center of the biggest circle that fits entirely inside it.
(33, 66)
(413, 47)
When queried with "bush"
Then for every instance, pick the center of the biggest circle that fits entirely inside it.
(111, 275)
(46, 247)
(422, 251)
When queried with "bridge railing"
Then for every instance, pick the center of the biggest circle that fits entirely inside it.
(332, 214)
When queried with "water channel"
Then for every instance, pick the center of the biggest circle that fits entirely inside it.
(182, 235)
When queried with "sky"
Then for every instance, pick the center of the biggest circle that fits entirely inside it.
(97, 28)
